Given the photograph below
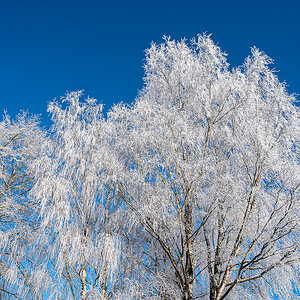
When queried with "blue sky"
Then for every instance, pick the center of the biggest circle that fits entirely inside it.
(50, 47)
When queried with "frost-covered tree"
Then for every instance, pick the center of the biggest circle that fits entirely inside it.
(78, 245)
(191, 192)
(21, 140)
(211, 173)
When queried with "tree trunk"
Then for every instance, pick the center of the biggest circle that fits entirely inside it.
(189, 254)
(83, 286)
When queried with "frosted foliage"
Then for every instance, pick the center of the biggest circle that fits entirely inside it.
(212, 174)
(191, 192)
(73, 187)
(21, 140)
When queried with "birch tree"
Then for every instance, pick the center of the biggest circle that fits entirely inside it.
(191, 192)
(211, 174)
(21, 140)
(78, 247)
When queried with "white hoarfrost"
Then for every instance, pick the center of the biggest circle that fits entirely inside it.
(191, 192)
(77, 233)
(212, 175)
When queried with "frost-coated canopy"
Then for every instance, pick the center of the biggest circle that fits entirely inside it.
(212, 173)
(191, 192)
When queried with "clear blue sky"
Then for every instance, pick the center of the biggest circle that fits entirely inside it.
(50, 47)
